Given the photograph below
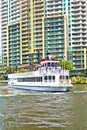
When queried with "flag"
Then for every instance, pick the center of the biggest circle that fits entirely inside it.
(64, 57)
(52, 56)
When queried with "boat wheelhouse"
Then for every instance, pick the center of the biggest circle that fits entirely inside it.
(48, 76)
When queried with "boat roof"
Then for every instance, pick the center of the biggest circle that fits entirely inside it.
(47, 61)
(41, 62)
(26, 66)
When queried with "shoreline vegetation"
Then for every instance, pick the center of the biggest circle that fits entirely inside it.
(79, 80)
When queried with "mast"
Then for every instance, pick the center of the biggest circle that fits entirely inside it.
(38, 56)
(47, 55)
(64, 58)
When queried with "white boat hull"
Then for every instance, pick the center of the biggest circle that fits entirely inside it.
(43, 88)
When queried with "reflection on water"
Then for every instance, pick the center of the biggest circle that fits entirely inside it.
(24, 110)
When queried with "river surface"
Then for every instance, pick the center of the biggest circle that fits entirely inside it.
(26, 110)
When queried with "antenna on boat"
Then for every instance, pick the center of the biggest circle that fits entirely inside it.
(38, 56)
(47, 55)
(63, 65)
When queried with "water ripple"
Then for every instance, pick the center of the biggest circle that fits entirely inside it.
(26, 110)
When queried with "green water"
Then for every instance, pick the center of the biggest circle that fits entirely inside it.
(24, 110)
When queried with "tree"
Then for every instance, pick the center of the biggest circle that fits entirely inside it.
(8, 70)
(1, 78)
(81, 74)
(65, 64)
(22, 70)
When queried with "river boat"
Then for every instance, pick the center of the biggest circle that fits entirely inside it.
(48, 76)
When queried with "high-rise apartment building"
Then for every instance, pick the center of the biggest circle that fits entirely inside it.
(10, 30)
(79, 34)
(15, 32)
(29, 26)
(48, 27)
(54, 26)
(4, 31)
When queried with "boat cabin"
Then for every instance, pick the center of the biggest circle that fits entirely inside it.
(50, 63)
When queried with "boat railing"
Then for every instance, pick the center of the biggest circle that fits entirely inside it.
(51, 70)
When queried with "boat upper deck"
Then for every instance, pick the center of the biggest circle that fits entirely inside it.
(47, 67)
(50, 63)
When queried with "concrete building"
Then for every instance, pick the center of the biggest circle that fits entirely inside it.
(15, 32)
(54, 26)
(79, 34)
(24, 30)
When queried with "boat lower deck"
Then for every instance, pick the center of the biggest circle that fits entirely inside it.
(63, 88)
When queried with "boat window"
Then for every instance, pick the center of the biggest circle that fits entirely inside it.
(48, 64)
(19, 79)
(53, 77)
(64, 77)
(45, 78)
(50, 77)
(45, 64)
(60, 77)
(40, 79)
(67, 77)
(30, 79)
(53, 64)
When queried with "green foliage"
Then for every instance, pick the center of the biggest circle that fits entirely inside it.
(1, 77)
(8, 70)
(78, 80)
(73, 79)
(81, 74)
(15, 70)
(70, 74)
(65, 64)
(22, 70)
